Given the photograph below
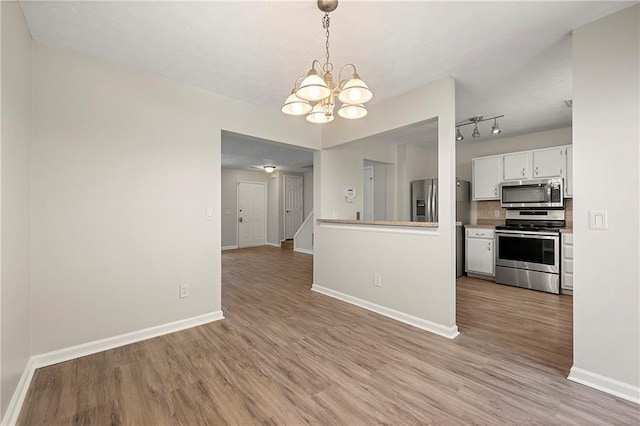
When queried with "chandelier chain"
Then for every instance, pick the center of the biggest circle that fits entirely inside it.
(328, 66)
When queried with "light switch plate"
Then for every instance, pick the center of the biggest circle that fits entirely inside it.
(598, 219)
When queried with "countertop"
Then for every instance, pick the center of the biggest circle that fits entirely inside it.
(480, 226)
(383, 223)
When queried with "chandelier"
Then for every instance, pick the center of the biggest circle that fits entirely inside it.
(316, 95)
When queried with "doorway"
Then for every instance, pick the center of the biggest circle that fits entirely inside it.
(252, 219)
(368, 192)
(293, 205)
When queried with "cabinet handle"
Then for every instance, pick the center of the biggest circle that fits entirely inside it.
(523, 171)
(489, 246)
(536, 170)
(478, 234)
(495, 190)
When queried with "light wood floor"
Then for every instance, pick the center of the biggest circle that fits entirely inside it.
(286, 355)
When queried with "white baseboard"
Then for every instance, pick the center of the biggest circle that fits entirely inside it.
(66, 354)
(605, 384)
(423, 324)
(305, 251)
(273, 244)
(15, 405)
(229, 247)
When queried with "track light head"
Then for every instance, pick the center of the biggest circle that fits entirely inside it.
(459, 136)
(495, 130)
(476, 132)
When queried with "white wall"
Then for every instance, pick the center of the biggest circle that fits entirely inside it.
(15, 228)
(124, 164)
(606, 107)
(465, 151)
(273, 207)
(308, 193)
(346, 260)
(229, 199)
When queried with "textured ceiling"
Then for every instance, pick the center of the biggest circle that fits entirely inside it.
(511, 58)
(249, 153)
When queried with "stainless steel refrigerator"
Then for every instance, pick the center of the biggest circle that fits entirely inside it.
(424, 208)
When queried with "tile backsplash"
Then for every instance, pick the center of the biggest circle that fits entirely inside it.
(486, 212)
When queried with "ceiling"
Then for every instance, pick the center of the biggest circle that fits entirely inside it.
(248, 153)
(511, 58)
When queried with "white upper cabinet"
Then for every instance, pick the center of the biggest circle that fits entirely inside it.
(549, 162)
(568, 179)
(487, 175)
(517, 166)
(488, 172)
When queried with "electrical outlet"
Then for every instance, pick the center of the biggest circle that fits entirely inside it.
(377, 280)
(496, 213)
(184, 291)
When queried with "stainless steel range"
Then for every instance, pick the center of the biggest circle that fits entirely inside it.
(528, 249)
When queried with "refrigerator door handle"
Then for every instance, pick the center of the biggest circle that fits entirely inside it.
(434, 211)
(428, 204)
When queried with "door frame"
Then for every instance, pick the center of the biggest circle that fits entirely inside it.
(284, 202)
(266, 212)
(371, 201)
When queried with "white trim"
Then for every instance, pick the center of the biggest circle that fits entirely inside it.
(605, 384)
(230, 247)
(15, 405)
(272, 244)
(423, 324)
(305, 251)
(418, 230)
(66, 354)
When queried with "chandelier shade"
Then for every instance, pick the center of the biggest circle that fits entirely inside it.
(319, 88)
(318, 115)
(355, 91)
(352, 112)
(313, 88)
(296, 106)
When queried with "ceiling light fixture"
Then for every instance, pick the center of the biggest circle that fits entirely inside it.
(316, 94)
(495, 129)
(269, 169)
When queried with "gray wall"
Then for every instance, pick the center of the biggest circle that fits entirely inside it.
(15, 226)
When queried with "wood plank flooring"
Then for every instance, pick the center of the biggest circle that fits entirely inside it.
(286, 355)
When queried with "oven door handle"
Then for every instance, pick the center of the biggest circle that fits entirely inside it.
(535, 233)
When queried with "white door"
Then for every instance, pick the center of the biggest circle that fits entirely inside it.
(251, 214)
(368, 193)
(293, 208)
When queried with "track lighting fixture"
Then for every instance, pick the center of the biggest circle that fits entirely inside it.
(495, 129)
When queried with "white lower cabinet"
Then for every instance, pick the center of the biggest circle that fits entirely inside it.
(480, 253)
(567, 263)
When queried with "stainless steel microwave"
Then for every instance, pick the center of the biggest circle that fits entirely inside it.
(527, 194)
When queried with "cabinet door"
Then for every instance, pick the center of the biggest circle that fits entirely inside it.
(549, 162)
(517, 166)
(480, 256)
(487, 175)
(568, 179)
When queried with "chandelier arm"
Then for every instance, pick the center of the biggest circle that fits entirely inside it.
(295, 84)
(340, 81)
